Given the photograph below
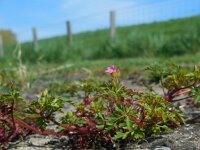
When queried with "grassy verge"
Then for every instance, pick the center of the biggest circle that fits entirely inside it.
(159, 39)
(127, 65)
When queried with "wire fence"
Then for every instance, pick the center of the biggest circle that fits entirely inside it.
(145, 12)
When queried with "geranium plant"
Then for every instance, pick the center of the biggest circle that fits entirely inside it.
(108, 113)
(177, 81)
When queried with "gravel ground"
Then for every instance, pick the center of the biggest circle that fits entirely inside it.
(186, 137)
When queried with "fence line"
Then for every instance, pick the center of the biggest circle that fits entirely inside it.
(69, 34)
(129, 15)
(1, 47)
(35, 39)
(112, 24)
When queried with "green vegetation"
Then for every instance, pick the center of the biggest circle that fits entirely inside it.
(55, 62)
(12, 71)
(8, 36)
(163, 39)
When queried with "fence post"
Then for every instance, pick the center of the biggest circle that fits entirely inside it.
(69, 34)
(112, 24)
(1, 47)
(35, 39)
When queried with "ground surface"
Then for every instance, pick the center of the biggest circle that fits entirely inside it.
(186, 137)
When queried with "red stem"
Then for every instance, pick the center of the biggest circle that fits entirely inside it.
(37, 130)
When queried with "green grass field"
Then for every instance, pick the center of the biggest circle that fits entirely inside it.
(78, 69)
(159, 39)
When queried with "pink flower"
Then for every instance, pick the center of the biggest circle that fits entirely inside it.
(111, 69)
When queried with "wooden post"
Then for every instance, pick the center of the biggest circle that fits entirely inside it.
(69, 34)
(112, 24)
(35, 39)
(1, 47)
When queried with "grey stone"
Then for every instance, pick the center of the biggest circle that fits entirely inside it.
(163, 148)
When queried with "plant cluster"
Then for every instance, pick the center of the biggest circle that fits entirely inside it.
(108, 113)
(178, 83)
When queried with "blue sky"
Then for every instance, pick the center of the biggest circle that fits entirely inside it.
(49, 16)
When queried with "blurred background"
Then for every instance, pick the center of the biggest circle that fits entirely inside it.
(57, 31)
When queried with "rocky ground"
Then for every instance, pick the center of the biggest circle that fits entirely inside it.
(186, 137)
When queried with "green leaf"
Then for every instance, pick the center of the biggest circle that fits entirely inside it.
(196, 68)
(120, 108)
(138, 135)
(164, 117)
(197, 100)
(189, 75)
(100, 126)
(125, 135)
(119, 135)
(128, 123)
(165, 127)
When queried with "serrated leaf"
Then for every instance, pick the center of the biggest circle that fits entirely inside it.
(189, 75)
(197, 100)
(138, 135)
(196, 68)
(119, 107)
(165, 127)
(125, 135)
(121, 135)
(118, 135)
(100, 126)
(164, 117)
(128, 123)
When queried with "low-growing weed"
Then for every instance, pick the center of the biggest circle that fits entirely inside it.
(108, 112)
